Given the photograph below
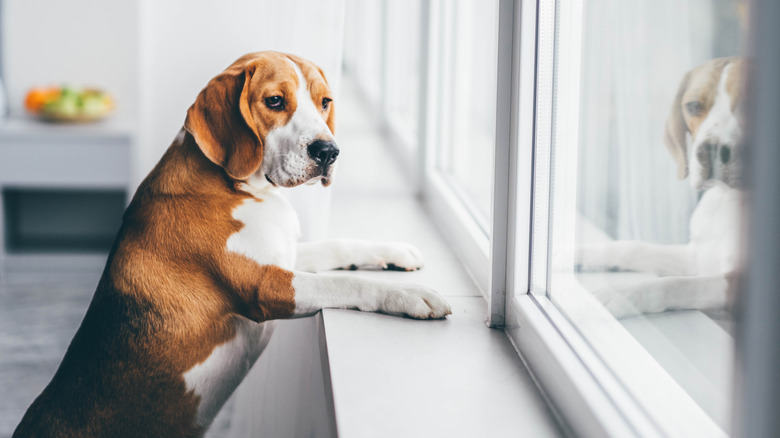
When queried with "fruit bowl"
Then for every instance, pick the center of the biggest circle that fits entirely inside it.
(68, 104)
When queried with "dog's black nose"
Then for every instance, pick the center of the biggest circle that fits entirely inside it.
(323, 152)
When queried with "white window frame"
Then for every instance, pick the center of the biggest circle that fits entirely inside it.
(396, 132)
(595, 398)
(447, 205)
(758, 337)
(591, 396)
(410, 156)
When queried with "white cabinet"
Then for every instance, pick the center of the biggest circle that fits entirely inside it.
(37, 156)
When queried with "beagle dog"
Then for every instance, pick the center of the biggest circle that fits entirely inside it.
(207, 257)
(704, 136)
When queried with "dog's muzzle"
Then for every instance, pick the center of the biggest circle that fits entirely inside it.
(719, 162)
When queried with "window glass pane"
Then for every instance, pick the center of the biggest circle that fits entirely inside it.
(468, 100)
(363, 45)
(645, 190)
(402, 51)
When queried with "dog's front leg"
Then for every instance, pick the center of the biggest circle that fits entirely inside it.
(350, 254)
(266, 292)
(316, 292)
(663, 294)
(665, 260)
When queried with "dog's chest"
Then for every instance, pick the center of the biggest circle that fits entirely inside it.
(715, 227)
(269, 237)
(270, 231)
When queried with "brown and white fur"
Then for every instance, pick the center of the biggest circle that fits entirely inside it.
(206, 254)
(704, 136)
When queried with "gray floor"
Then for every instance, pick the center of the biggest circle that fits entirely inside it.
(38, 316)
(39, 313)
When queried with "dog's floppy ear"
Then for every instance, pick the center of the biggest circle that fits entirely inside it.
(222, 124)
(676, 128)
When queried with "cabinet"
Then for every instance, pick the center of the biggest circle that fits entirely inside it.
(78, 168)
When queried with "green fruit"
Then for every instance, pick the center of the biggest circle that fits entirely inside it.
(92, 105)
(62, 107)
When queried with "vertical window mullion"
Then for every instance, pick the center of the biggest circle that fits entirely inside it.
(426, 95)
(543, 143)
(521, 176)
(503, 177)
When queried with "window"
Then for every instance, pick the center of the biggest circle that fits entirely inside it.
(610, 262)
(430, 69)
(363, 54)
(461, 126)
(402, 72)
(466, 104)
(555, 136)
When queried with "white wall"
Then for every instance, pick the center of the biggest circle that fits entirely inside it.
(287, 393)
(185, 43)
(156, 56)
(81, 42)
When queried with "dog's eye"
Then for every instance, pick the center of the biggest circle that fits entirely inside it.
(326, 103)
(274, 102)
(694, 108)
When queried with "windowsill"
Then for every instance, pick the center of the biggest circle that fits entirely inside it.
(694, 347)
(387, 376)
(395, 376)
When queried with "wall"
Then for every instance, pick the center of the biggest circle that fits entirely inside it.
(156, 56)
(185, 43)
(82, 42)
(288, 390)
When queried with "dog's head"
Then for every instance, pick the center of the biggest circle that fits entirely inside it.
(704, 132)
(268, 115)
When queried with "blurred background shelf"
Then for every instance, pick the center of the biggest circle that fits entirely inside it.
(40, 154)
(63, 188)
(31, 127)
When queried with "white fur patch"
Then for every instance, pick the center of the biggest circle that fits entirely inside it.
(720, 126)
(218, 376)
(341, 253)
(715, 227)
(286, 156)
(314, 292)
(269, 237)
(271, 229)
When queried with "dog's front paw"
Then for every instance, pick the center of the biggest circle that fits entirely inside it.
(418, 302)
(395, 256)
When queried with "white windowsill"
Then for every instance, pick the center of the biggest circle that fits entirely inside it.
(397, 377)
(356, 374)
(694, 347)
